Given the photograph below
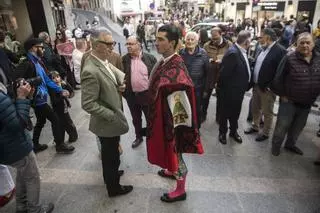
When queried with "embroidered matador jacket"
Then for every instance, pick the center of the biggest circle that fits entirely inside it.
(171, 100)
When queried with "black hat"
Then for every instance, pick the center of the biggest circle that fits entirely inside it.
(31, 42)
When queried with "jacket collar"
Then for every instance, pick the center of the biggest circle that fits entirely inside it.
(224, 43)
(103, 68)
(197, 51)
(314, 54)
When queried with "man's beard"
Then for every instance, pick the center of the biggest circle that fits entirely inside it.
(39, 53)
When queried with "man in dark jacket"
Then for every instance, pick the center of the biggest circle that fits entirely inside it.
(141, 33)
(264, 71)
(298, 85)
(235, 76)
(137, 67)
(16, 147)
(33, 67)
(197, 63)
(216, 48)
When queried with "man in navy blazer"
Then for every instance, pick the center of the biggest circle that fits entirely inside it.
(234, 81)
(263, 74)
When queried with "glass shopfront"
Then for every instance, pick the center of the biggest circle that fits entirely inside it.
(306, 7)
(267, 10)
(240, 11)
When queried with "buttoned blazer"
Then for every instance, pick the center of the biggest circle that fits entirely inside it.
(234, 73)
(100, 98)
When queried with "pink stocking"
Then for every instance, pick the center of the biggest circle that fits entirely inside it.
(181, 185)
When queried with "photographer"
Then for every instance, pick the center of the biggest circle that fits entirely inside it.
(16, 147)
(33, 67)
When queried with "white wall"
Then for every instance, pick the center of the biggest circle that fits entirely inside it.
(230, 11)
(316, 14)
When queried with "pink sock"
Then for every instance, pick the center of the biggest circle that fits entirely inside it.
(181, 185)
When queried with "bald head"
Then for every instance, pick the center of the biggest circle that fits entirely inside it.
(134, 46)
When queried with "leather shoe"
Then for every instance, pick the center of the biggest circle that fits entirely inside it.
(165, 198)
(262, 137)
(250, 131)
(163, 174)
(235, 136)
(122, 190)
(39, 147)
(222, 138)
(120, 172)
(275, 151)
(317, 163)
(136, 142)
(64, 149)
(294, 149)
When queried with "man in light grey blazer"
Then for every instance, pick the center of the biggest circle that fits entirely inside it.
(100, 86)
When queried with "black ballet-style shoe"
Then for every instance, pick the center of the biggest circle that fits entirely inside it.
(165, 198)
(162, 173)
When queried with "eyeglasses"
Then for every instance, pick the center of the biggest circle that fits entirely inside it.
(37, 46)
(130, 44)
(58, 34)
(112, 43)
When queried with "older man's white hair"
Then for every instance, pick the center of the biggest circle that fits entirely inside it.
(43, 35)
(96, 33)
(192, 35)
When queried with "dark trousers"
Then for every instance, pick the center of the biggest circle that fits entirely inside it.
(218, 105)
(199, 96)
(43, 113)
(231, 102)
(290, 121)
(67, 125)
(136, 109)
(205, 103)
(143, 39)
(110, 157)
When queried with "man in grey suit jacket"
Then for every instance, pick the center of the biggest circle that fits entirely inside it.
(100, 86)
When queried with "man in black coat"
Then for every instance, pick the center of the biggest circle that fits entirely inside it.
(137, 67)
(235, 76)
(264, 71)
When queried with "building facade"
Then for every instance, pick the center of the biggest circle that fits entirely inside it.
(270, 9)
(26, 18)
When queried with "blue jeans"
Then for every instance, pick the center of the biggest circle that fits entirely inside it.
(290, 121)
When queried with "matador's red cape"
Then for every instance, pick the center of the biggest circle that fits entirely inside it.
(163, 140)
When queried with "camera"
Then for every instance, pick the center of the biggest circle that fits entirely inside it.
(34, 82)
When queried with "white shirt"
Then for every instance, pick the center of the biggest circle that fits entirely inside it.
(106, 65)
(263, 54)
(244, 53)
(76, 60)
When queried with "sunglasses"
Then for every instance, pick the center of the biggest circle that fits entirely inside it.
(113, 43)
(37, 46)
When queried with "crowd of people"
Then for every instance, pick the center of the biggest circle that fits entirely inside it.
(173, 93)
